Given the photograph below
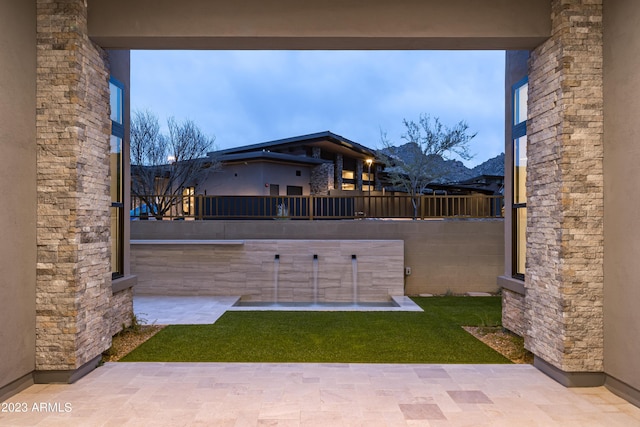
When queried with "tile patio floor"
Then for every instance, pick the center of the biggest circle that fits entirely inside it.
(324, 395)
(242, 394)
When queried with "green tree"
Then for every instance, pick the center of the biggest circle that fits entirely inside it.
(427, 141)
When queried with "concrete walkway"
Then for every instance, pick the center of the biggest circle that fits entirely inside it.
(196, 310)
(323, 395)
(181, 310)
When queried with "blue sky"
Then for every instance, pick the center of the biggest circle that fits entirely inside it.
(248, 97)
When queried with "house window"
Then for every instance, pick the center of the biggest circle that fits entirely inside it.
(298, 173)
(348, 174)
(368, 180)
(348, 180)
(294, 190)
(519, 200)
(188, 201)
(160, 185)
(520, 98)
(116, 98)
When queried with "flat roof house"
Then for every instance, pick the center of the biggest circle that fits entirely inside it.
(315, 164)
(573, 98)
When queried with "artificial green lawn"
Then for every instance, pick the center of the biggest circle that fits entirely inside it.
(434, 336)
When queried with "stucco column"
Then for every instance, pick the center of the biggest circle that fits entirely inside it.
(564, 272)
(73, 285)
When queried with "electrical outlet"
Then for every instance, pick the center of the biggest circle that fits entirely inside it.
(407, 271)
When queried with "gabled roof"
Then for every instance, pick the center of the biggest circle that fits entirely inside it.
(340, 142)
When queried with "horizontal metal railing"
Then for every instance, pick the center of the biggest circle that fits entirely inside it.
(314, 207)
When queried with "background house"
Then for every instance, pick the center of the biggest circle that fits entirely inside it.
(316, 164)
(492, 185)
(326, 163)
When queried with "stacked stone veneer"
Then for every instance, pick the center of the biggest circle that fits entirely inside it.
(120, 311)
(321, 179)
(513, 305)
(564, 275)
(339, 166)
(73, 251)
(359, 170)
(378, 173)
(248, 270)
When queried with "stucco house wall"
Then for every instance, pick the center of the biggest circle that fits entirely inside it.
(251, 179)
(621, 172)
(17, 185)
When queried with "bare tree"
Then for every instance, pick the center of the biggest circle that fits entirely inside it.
(163, 165)
(427, 142)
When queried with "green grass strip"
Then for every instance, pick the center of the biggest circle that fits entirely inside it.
(434, 336)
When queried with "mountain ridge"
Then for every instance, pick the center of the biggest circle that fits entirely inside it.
(456, 171)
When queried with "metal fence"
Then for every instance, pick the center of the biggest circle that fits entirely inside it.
(314, 207)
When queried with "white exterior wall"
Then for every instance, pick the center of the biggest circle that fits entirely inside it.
(249, 179)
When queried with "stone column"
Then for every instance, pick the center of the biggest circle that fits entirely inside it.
(321, 179)
(359, 170)
(564, 275)
(338, 172)
(73, 285)
(377, 173)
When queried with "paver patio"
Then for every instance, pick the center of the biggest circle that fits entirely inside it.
(241, 394)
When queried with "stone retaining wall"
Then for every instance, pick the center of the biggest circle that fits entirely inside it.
(248, 269)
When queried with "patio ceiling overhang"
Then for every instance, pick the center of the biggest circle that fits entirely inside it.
(331, 24)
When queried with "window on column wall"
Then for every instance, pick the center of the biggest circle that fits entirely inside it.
(519, 202)
(116, 171)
